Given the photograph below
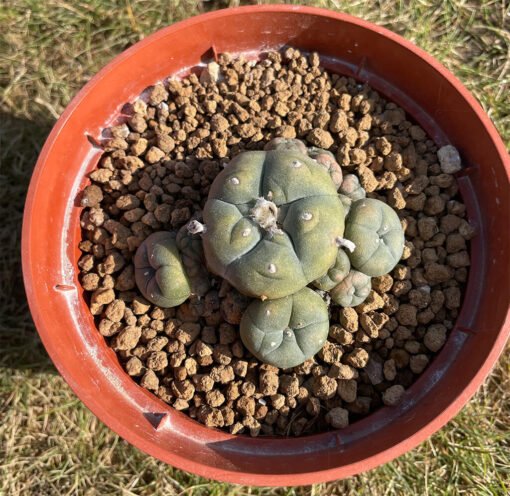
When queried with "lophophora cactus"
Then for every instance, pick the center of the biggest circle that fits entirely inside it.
(169, 267)
(276, 221)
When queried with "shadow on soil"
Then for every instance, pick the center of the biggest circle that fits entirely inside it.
(20, 143)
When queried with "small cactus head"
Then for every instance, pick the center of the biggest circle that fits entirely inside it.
(159, 271)
(336, 274)
(377, 234)
(287, 331)
(328, 161)
(352, 188)
(353, 289)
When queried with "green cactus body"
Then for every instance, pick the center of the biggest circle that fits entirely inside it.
(287, 331)
(159, 271)
(323, 157)
(353, 289)
(375, 229)
(336, 274)
(272, 220)
(192, 255)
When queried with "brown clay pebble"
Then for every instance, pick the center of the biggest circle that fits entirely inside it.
(338, 418)
(92, 196)
(435, 337)
(358, 358)
(324, 387)
(393, 395)
(155, 174)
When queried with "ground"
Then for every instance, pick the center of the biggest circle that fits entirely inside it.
(49, 442)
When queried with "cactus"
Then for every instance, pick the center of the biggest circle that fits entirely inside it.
(352, 188)
(159, 271)
(190, 248)
(272, 218)
(377, 234)
(328, 161)
(353, 289)
(323, 157)
(350, 191)
(169, 267)
(287, 331)
(336, 274)
(274, 223)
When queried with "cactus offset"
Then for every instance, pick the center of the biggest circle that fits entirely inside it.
(375, 229)
(287, 331)
(159, 271)
(353, 289)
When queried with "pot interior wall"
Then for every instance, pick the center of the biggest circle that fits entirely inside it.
(92, 369)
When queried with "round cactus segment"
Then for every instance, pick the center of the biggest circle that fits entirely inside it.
(323, 157)
(159, 271)
(287, 331)
(375, 229)
(272, 220)
(336, 274)
(192, 255)
(328, 161)
(353, 290)
(352, 188)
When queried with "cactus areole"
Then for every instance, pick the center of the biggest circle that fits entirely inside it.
(273, 219)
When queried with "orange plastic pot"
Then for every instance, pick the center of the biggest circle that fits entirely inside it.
(51, 232)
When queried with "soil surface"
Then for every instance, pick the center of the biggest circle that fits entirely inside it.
(155, 175)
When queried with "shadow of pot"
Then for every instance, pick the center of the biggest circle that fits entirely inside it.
(51, 232)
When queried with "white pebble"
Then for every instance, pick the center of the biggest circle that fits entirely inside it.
(306, 216)
(449, 159)
(234, 180)
(246, 232)
(271, 268)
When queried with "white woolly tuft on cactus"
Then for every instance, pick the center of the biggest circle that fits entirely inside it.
(195, 227)
(345, 243)
(265, 214)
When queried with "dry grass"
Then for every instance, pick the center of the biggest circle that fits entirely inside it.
(49, 442)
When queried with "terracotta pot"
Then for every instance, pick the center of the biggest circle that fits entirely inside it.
(51, 232)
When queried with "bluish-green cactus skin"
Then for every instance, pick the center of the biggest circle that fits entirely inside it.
(192, 255)
(323, 157)
(353, 289)
(159, 271)
(336, 274)
(287, 331)
(283, 189)
(375, 229)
